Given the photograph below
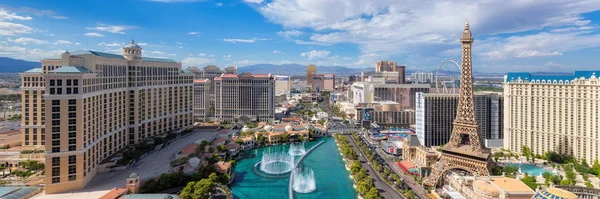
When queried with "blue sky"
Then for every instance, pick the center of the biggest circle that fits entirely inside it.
(511, 35)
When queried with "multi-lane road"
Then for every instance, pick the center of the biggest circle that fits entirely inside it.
(384, 189)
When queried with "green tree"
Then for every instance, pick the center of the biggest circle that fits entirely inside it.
(529, 181)
(197, 190)
(213, 177)
(589, 185)
(596, 167)
(362, 187)
(497, 155)
(355, 168)
(374, 194)
(510, 170)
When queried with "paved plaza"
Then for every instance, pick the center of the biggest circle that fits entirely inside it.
(149, 167)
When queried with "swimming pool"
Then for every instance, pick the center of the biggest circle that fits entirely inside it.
(529, 168)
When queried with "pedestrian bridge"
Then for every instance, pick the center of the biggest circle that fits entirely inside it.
(290, 189)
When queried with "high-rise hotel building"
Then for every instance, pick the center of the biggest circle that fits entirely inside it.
(87, 105)
(202, 99)
(435, 113)
(553, 113)
(245, 97)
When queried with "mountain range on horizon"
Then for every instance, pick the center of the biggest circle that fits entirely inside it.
(10, 65)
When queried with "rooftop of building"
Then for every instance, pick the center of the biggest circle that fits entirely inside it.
(70, 69)
(115, 56)
(201, 80)
(35, 70)
(510, 184)
(243, 75)
(17, 192)
(531, 77)
(189, 149)
(114, 193)
(479, 93)
(555, 193)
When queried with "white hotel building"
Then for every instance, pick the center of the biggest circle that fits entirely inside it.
(553, 113)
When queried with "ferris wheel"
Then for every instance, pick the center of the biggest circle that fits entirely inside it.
(446, 82)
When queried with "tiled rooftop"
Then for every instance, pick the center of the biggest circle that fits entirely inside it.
(70, 69)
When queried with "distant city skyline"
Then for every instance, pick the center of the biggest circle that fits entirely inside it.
(511, 35)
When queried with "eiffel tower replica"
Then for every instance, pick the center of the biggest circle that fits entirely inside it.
(465, 150)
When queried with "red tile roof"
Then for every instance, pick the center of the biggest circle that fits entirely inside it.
(229, 75)
(261, 75)
(189, 149)
(113, 193)
(291, 119)
(199, 81)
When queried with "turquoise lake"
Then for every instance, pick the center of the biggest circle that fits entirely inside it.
(332, 178)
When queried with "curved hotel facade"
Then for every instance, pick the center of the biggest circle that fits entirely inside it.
(88, 105)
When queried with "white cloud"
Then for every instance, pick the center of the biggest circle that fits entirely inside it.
(239, 40)
(93, 34)
(278, 52)
(179, 43)
(194, 33)
(253, 1)
(245, 40)
(301, 42)
(10, 28)
(35, 54)
(142, 44)
(39, 13)
(77, 43)
(159, 53)
(51, 35)
(290, 33)
(316, 54)
(227, 56)
(391, 28)
(114, 44)
(27, 40)
(544, 44)
(205, 55)
(219, 4)
(571, 29)
(112, 29)
(58, 42)
(197, 61)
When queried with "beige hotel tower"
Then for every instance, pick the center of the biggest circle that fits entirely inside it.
(87, 105)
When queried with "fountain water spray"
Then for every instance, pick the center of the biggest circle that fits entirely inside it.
(297, 149)
(303, 180)
(276, 162)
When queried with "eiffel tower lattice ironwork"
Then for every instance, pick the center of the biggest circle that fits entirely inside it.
(465, 150)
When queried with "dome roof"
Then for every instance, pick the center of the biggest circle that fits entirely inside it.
(268, 127)
(486, 187)
(289, 128)
(132, 45)
(133, 175)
